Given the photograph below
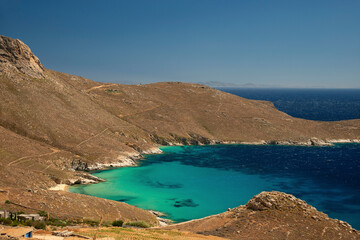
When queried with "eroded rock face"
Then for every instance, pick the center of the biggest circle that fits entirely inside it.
(16, 55)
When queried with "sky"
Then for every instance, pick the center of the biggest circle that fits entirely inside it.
(278, 43)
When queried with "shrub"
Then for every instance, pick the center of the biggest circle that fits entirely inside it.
(117, 223)
(91, 222)
(140, 224)
(15, 223)
(6, 221)
(43, 213)
(40, 225)
(8, 202)
(57, 222)
(28, 223)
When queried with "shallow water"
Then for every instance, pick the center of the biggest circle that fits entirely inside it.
(190, 182)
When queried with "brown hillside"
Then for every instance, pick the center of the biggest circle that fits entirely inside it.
(54, 124)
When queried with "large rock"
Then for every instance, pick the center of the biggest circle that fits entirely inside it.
(276, 200)
(16, 55)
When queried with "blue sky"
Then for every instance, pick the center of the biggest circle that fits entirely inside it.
(266, 43)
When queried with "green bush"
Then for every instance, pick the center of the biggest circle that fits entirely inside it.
(139, 224)
(117, 223)
(28, 223)
(6, 221)
(57, 222)
(43, 213)
(91, 222)
(15, 223)
(8, 202)
(40, 225)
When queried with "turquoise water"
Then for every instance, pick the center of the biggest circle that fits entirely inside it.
(195, 181)
(188, 182)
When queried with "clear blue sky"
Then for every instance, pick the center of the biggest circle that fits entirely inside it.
(275, 43)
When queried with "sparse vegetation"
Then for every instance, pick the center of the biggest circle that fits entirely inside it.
(117, 223)
(40, 225)
(15, 223)
(6, 221)
(58, 222)
(91, 222)
(43, 213)
(113, 91)
(140, 224)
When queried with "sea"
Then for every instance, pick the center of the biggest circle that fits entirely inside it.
(189, 182)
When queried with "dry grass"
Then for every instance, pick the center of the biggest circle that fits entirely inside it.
(139, 234)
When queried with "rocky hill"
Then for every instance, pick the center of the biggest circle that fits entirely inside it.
(271, 215)
(55, 125)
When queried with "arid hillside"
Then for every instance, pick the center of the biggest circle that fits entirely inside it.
(55, 126)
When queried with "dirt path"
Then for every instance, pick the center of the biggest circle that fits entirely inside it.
(101, 86)
(26, 158)
(220, 103)
(143, 111)
(86, 140)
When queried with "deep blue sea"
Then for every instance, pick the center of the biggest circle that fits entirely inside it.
(188, 182)
(313, 104)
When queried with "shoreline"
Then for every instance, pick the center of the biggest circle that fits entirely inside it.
(132, 160)
(166, 221)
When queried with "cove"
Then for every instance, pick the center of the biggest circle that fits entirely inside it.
(188, 182)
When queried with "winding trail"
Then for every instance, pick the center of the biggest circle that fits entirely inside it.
(26, 158)
(86, 140)
(100, 86)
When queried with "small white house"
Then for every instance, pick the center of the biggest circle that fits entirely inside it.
(4, 214)
(35, 217)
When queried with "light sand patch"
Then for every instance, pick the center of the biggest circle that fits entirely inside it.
(60, 187)
(47, 237)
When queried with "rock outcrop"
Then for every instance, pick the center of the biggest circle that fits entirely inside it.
(16, 55)
(277, 201)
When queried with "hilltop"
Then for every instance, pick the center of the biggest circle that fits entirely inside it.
(271, 215)
(54, 127)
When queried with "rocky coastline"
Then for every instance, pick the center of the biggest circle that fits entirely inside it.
(131, 159)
